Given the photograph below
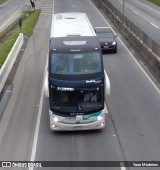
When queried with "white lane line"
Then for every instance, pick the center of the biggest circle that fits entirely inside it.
(34, 146)
(148, 6)
(154, 25)
(142, 69)
(135, 12)
(10, 18)
(123, 168)
(122, 164)
(8, 91)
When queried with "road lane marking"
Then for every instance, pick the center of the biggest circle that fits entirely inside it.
(34, 146)
(10, 18)
(135, 12)
(8, 91)
(143, 17)
(121, 164)
(154, 25)
(142, 69)
(148, 6)
(123, 168)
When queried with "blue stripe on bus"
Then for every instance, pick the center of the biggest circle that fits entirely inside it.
(79, 83)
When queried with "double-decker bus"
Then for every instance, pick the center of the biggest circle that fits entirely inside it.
(76, 83)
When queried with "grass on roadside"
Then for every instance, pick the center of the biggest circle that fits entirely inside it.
(2, 1)
(27, 29)
(10, 27)
(157, 2)
(6, 47)
(29, 24)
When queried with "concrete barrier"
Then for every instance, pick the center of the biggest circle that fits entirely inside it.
(8, 64)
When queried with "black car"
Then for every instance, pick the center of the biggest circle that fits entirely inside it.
(106, 38)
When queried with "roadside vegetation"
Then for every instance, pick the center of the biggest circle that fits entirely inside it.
(30, 22)
(9, 36)
(157, 2)
(2, 1)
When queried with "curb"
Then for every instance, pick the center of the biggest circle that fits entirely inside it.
(9, 62)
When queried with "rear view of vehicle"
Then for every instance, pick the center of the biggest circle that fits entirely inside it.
(106, 38)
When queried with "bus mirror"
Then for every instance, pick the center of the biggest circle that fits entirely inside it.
(107, 84)
(46, 91)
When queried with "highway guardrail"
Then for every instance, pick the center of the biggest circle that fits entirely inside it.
(148, 48)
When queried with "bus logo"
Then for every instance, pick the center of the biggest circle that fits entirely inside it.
(93, 81)
(65, 89)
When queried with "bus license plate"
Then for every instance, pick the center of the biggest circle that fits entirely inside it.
(77, 127)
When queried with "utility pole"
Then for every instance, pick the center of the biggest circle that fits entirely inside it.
(20, 23)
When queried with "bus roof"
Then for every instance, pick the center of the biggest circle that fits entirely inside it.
(71, 24)
(73, 44)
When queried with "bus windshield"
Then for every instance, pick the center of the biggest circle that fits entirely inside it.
(77, 100)
(75, 63)
(105, 35)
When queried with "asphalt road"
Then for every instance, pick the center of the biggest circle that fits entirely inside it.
(142, 13)
(132, 125)
(132, 131)
(9, 11)
(19, 119)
